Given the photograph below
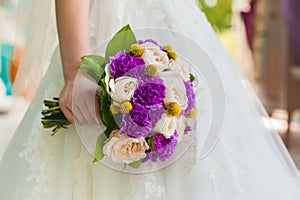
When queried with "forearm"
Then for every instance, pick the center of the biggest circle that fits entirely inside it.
(73, 31)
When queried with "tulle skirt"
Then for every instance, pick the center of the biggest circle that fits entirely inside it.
(249, 161)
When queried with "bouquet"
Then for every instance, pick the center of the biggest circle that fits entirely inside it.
(147, 99)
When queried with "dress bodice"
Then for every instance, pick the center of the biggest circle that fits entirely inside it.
(168, 14)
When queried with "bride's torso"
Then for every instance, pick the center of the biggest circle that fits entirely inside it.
(107, 16)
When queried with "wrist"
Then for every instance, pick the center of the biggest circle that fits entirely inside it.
(69, 78)
(70, 70)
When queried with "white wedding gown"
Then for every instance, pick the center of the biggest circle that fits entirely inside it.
(249, 161)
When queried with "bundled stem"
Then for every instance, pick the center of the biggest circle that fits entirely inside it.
(53, 116)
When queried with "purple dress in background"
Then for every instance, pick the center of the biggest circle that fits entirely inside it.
(248, 18)
(291, 11)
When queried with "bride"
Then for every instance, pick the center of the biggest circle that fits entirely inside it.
(248, 162)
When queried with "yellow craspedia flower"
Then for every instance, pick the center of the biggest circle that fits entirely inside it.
(125, 107)
(167, 47)
(136, 50)
(114, 109)
(152, 70)
(172, 55)
(191, 114)
(173, 109)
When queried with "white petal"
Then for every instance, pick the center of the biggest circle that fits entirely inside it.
(107, 77)
(166, 126)
(176, 91)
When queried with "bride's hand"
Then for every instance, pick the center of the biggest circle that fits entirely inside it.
(79, 101)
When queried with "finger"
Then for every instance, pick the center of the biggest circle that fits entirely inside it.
(68, 113)
(92, 111)
(79, 121)
(97, 108)
(98, 90)
(80, 115)
(92, 105)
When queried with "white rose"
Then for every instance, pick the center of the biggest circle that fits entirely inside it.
(122, 88)
(154, 55)
(181, 67)
(175, 89)
(124, 149)
(166, 125)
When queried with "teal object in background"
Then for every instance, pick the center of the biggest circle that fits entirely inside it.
(6, 53)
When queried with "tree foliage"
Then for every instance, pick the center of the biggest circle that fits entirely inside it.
(218, 15)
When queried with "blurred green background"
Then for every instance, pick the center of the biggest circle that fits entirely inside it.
(218, 13)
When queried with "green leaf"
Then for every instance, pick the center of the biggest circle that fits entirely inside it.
(99, 147)
(135, 164)
(107, 117)
(105, 110)
(192, 77)
(102, 83)
(120, 41)
(93, 66)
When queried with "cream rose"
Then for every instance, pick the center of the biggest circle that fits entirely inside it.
(124, 149)
(181, 67)
(175, 89)
(166, 125)
(154, 55)
(122, 88)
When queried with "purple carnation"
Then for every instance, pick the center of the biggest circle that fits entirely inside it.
(187, 130)
(159, 142)
(122, 63)
(151, 41)
(149, 94)
(140, 74)
(191, 97)
(156, 112)
(132, 129)
(140, 115)
(163, 148)
(137, 124)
